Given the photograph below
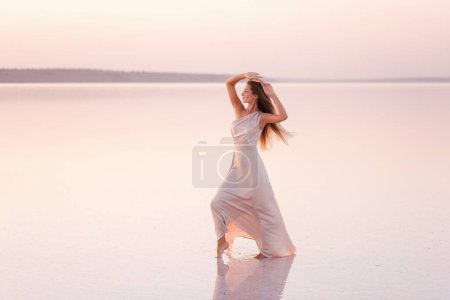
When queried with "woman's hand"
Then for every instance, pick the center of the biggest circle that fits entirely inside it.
(253, 76)
(267, 87)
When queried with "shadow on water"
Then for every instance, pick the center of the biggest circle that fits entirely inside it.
(251, 278)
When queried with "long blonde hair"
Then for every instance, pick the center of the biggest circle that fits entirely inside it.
(265, 105)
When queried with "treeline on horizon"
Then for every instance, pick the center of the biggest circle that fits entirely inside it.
(67, 75)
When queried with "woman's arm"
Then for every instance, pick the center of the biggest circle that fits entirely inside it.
(280, 108)
(281, 112)
(231, 82)
(249, 75)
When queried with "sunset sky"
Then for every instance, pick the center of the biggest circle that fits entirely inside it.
(297, 39)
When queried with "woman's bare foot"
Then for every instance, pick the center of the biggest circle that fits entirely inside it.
(222, 244)
(260, 256)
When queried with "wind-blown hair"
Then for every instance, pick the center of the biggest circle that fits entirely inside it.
(265, 105)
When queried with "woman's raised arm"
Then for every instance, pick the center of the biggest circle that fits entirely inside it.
(281, 112)
(231, 82)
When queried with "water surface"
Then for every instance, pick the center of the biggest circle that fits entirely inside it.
(97, 198)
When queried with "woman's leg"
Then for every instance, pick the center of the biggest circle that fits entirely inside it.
(222, 245)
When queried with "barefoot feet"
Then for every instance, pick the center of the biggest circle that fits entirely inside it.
(222, 244)
(260, 256)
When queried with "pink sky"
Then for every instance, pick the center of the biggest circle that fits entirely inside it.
(299, 39)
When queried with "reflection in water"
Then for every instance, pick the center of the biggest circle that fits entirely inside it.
(91, 175)
(252, 278)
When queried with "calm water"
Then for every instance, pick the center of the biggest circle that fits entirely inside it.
(97, 200)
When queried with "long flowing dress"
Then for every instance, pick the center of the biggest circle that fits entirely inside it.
(244, 204)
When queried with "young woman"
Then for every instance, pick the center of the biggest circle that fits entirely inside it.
(244, 204)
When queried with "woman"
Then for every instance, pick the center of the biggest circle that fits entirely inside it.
(244, 204)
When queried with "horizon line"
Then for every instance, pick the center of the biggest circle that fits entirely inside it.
(273, 78)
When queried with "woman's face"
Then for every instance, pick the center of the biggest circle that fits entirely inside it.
(247, 95)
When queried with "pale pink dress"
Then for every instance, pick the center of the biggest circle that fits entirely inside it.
(244, 204)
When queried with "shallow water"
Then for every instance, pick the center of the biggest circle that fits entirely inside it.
(97, 199)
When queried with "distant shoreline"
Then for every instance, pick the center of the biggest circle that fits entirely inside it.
(56, 75)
